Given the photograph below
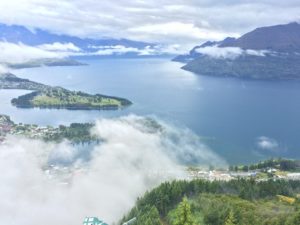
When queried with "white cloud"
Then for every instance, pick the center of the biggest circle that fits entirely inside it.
(12, 53)
(216, 52)
(117, 49)
(3, 69)
(148, 50)
(137, 154)
(267, 143)
(229, 52)
(183, 31)
(20, 53)
(60, 47)
(166, 21)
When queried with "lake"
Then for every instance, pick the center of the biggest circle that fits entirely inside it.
(242, 120)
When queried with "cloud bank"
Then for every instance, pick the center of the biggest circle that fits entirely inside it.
(229, 52)
(15, 53)
(136, 154)
(60, 47)
(21, 53)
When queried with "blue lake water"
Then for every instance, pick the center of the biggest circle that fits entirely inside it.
(229, 114)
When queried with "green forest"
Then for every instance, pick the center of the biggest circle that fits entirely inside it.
(200, 202)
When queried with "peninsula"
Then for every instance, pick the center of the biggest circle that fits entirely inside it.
(266, 53)
(45, 96)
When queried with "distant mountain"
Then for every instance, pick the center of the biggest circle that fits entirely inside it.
(279, 38)
(37, 37)
(264, 53)
(16, 34)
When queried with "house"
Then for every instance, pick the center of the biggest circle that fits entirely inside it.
(93, 221)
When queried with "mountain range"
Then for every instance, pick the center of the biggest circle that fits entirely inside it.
(74, 47)
(17, 34)
(265, 53)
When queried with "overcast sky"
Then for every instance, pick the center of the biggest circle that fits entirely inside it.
(184, 22)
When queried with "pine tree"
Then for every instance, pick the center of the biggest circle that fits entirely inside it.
(150, 216)
(230, 219)
(184, 214)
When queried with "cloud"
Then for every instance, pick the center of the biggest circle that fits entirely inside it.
(267, 143)
(229, 52)
(15, 53)
(60, 47)
(116, 49)
(3, 69)
(136, 154)
(183, 31)
(21, 53)
(167, 22)
(148, 50)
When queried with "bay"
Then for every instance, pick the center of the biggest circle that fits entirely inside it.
(232, 116)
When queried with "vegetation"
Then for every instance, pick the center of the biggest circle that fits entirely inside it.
(203, 202)
(280, 164)
(183, 214)
(76, 133)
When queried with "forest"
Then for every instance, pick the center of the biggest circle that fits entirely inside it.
(200, 202)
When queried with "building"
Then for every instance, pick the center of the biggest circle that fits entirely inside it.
(93, 221)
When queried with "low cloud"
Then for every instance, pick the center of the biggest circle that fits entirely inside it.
(60, 47)
(21, 53)
(136, 154)
(267, 143)
(148, 50)
(15, 53)
(229, 52)
(3, 69)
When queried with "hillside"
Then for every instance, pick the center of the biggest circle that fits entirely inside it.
(279, 38)
(219, 203)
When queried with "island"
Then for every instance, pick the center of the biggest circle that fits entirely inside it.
(45, 96)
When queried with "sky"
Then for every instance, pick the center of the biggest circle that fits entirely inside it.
(180, 22)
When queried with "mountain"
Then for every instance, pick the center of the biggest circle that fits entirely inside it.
(279, 38)
(264, 53)
(85, 47)
(16, 34)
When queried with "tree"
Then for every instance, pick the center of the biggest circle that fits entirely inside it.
(184, 214)
(149, 216)
(230, 220)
